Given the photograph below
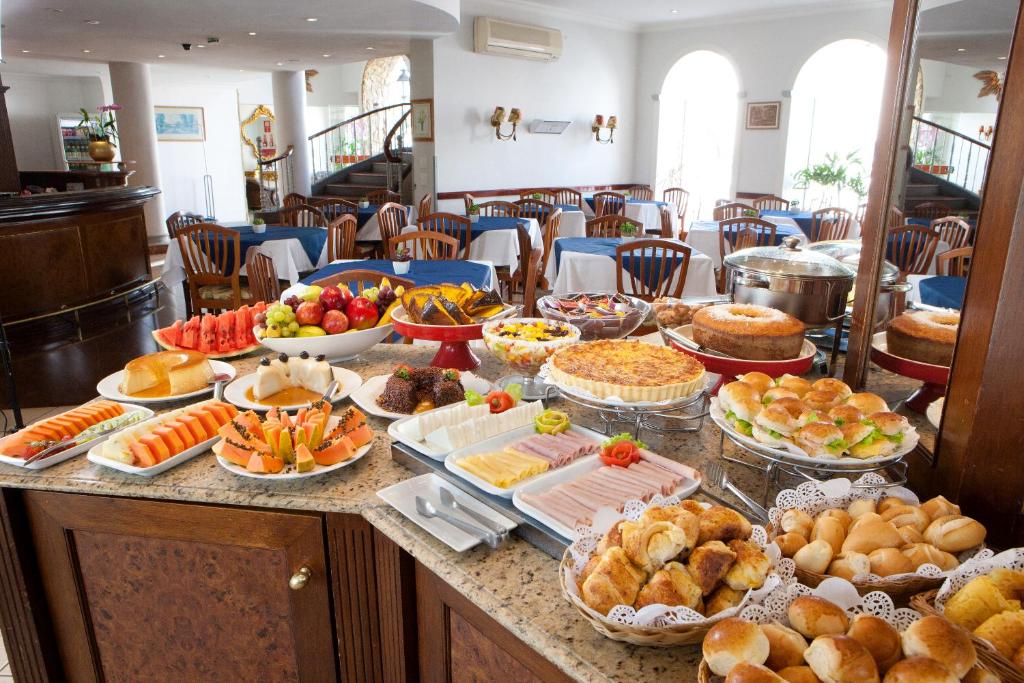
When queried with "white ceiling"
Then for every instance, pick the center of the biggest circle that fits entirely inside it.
(974, 33)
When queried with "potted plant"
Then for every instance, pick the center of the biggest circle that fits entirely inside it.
(402, 260)
(750, 213)
(628, 230)
(927, 160)
(538, 196)
(364, 203)
(259, 225)
(102, 132)
(474, 213)
(834, 175)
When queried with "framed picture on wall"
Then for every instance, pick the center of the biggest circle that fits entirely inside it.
(423, 120)
(179, 124)
(763, 115)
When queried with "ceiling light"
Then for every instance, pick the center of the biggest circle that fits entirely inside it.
(961, 49)
(370, 47)
(25, 51)
(161, 56)
(325, 56)
(311, 19)
(1000, 57)
(200, 45)
(86, 51)
(241, 70)
(252, 33)
(674, 11)
(280, 63)
(92, 22)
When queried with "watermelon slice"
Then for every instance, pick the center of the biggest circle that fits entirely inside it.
(225, 332)
(208, 334)
(243, 327)
(171, 335)
(190, 334)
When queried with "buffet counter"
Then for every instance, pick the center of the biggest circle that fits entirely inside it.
(402, 601)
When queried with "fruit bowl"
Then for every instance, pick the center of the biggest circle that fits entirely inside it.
(591, 325)
(523, 352)
(342, 346)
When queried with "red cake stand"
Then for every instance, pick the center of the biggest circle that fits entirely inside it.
(681, 339)
(935, 377)
(454, 352)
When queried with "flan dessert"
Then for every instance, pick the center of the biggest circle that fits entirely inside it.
(924, 336)
(749, 331)
(634, 371)
(291, 380)
(166, 373)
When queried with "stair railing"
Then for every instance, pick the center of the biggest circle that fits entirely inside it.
(274, 177)
(947, 154)
(357, 139)
(394, 143)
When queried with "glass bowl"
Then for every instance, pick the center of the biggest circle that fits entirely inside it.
(525, 344)
(597, 316)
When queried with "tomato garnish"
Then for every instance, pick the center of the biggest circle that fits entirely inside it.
(620, 454)
(500, 401)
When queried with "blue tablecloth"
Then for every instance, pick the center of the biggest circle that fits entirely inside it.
(488, 223)
(781, 231)
(893, 246)
(420, 272)
(605, 246)
(802, 218)
(365, 214)
(945, 291)
(569, 207)
(311, 239)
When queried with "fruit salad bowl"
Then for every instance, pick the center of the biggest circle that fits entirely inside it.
(525, 344)
(342, 346)
(598, 316)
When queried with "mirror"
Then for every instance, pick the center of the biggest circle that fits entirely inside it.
(259, 137)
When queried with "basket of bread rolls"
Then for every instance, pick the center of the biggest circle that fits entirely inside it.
(877, 538)
(661, 574)
(984, 597)
(832, 634)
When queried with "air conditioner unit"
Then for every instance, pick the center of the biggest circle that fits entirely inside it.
(508, 39)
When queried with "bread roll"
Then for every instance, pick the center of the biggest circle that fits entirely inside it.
(750, 568)
(821, 401)
(719, 523)
(1005, 631)
(907, 515)
(797, 385)
(860, 506)
(798, 674)
(850, 564)
(841, 659)
(650, 546)
(1018, 658)
(709, 563)
(920, 670)
(939, 507)
(864, 538)
(889, 561)
(925, 553)
(787, 646)
(889, 501)
(830, 530)
(721, 599)
(797, 521)
(939, 639)
(732, 641)
(744, 672)
(864, 519)
(812, 616)
(759, 380)
(868, 403)
(980, 675)
(613, 581)
(910, 535)
(880, 639)
(842, 515)
(814, 557)
(790, 543)
(970, 606)
(954, 533)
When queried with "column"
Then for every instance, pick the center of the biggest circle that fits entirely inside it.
(290, 115)
(131, 88)
(421, 86)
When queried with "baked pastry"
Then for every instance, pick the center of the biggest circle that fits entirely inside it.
(749, 331)
(632, 370)
(845, 413)
(867, 403)
(835, 385)
(920, 670)
(861, 506)
(790, 543)
(683, 519)
(940, 507)
(814, 557)
(924, 336)
(973, 604)
(910, 535)
(798, 674)
(937, 638)
(649, 546)
(751, 567)
(872, 535)
(849, 564)
(745, 672)
(822, 400)
(1005, 631)
(864, 440)
(709, 563)
(867, 517)
(797, 385)
(889, 561)
(719, 523)
(977, 674)
(926, 553)
(786, 646)
(821, 439)
(775, 393)
(830, 530)
(671, 585)
(1009, 582)
(774, 425)
(613, 581)
(741, 403)
(954, 533)
(841, 659)
(880, 639)
(1018, 659)
(890, 502)
(612, 538)
(721, 599)
(732, 641)
(166, 373)
(813, 616)
(842, 515)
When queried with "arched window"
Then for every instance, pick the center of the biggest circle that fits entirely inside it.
(697, 129)
(833, 122)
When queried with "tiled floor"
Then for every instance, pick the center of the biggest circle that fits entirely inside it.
(5, 670)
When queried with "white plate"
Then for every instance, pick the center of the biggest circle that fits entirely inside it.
(366, 396)
(402, 497)
(167, 464)
(72, 452)
(570, 473)
(110, 386)
(797, 456)
(395, 432)
(497, 443)
(934, 411)
(234, 393)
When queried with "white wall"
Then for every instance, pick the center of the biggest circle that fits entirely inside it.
(767, 52)
(953, 88)
(337, 85)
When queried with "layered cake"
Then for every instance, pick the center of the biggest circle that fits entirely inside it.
(924, 336)
(277, 375)
(749, 331)
(166, 373)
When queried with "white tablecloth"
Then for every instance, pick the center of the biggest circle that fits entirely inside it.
(573, 224)
(579, 272)
(288, 256)
(370, 232)
(499, 247)
(703, 236)
(650, 216)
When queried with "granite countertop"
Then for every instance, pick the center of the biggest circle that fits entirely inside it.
(517, 584)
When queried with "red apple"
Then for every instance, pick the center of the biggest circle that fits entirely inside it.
(334, 322)
(346, 297)
(362, 313)
(332, 299)
(309, 313)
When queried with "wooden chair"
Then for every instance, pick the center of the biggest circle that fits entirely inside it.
(531, 277)
(771, 202)
(211, 257)
(469, 200)
(534, 208)
(427, 245)
(928, 210)
(569, 196)
(341, 238)
(383, 196)
(450, 224)
(426, 205)
(832, 223)
(911, 248)
(679, 197)
(731, 210)
(862, 213)
(740, 233)
(608, 226)
(335, 207)
(550, 232)
(896, 218)
(608, 203)
(261, 276)
(546, 195)
(656, 278)
(302, 216)
(509, 280)
(294, 199)
(498, 208)
(955, 262)
(722, 202)
(667, 230)
(953, 230)
(641, 192)
(391, 218)
(178, 220)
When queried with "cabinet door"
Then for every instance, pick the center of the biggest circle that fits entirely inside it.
(143, 590)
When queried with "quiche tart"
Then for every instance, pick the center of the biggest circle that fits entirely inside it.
(634, 371)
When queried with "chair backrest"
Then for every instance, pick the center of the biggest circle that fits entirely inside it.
(534, 208)
(567, 195)
(530, 280)
(740, 233)
(832, 223)
(546, 195)
(498, 208)
(450, 224)
(722, 202)
(928, 210)
(358, 281)
(956, 262)
(382, 196)
(609, 225)
(335, 207)
(211, 255)
(262, 276)
(294, 199)
(953, 230)
(667, 230)
(911, 248)
(391, 218)
(771, 202)
(728, 210)
(179, 220)
(862, 212)
(679, 197)
(896, 218)
(427, 245)
(525, 247)
(469, 200)
(655, 268)
(609, 202)
(550, 233)
(302, 216)
(425, 206)
(641, 192)
(341, 238)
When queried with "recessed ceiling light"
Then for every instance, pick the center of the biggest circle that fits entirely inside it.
(92, 22)
(1000, 57)
(242, 70)
(252, 33)
(280, 63)
(961, 49)
(325, 56)
(370, 47)
(200, 45)
(161, 56)
(86, 51)
(311, 19)
(25, 51)
(674, 11)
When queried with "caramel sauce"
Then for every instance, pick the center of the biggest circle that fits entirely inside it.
(286, 397)
(423, 406)
(158, 390)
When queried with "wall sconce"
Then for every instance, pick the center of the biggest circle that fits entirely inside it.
(498, 117)
(613, 122)
(985, 132)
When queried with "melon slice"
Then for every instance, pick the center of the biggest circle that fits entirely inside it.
(207, 420)
(183, 432)
(208, 334)
(141, 455)
(170, 437)
(196, 427)
(156, 446)
(190, 334)
(335, 451)
(226, 332)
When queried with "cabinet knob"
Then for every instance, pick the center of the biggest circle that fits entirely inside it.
(300, 579)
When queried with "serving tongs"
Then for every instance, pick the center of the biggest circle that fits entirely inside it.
(426, 509)
(718, 477)
(692, 345)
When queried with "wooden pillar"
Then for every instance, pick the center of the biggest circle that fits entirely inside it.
(9, 181)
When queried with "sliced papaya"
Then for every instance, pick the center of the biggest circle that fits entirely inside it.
(361, 436)
(304, 461)
(195, 426)
(234, 453)
(156, 446)
(335, 451)
(183, 432)
(141, 455)
(207, 419)
(264, 464)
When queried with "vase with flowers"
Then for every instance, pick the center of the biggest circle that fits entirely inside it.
(474, 213)
(628, 231)
(402, 260)
(102, 132)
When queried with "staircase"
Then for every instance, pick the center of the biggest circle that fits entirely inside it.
(356, 180)
(948, 172)
(930, 196)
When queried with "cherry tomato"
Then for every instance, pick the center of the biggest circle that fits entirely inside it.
(500, 401)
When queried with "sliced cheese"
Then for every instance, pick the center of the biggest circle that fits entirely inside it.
(504, 468)
(421, 425)
(449, 437)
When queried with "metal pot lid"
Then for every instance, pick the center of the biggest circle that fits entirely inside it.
(848, 253)
(790, 260)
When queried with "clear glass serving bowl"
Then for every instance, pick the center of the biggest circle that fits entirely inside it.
(593, 325)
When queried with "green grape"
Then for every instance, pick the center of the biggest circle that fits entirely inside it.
(286, 332)
(293, 326)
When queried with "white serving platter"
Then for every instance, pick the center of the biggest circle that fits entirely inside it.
(571, 473)
(402, 497)
(235, 393)
(934, 411)
(110, 386)
(395, 431)
(499, 442)
(366, 396)
(186, 455)
(57, 458)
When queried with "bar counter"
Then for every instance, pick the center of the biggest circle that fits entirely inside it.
(405, 606)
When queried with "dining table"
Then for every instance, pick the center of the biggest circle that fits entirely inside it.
(368, 230)
(804, 220)
(421, 271)
(703, 236)
(574, 221)
(647, 212)
(494, 239)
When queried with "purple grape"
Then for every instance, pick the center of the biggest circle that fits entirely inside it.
(293, 301)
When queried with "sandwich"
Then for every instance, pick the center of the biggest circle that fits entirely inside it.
(844, 413)
(866, 440)
(821, 439)
(774, 426)
(893, 426)
(776, 393)
(740, 403)
(868, 403)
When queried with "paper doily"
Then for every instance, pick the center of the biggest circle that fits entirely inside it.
(979, 565)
